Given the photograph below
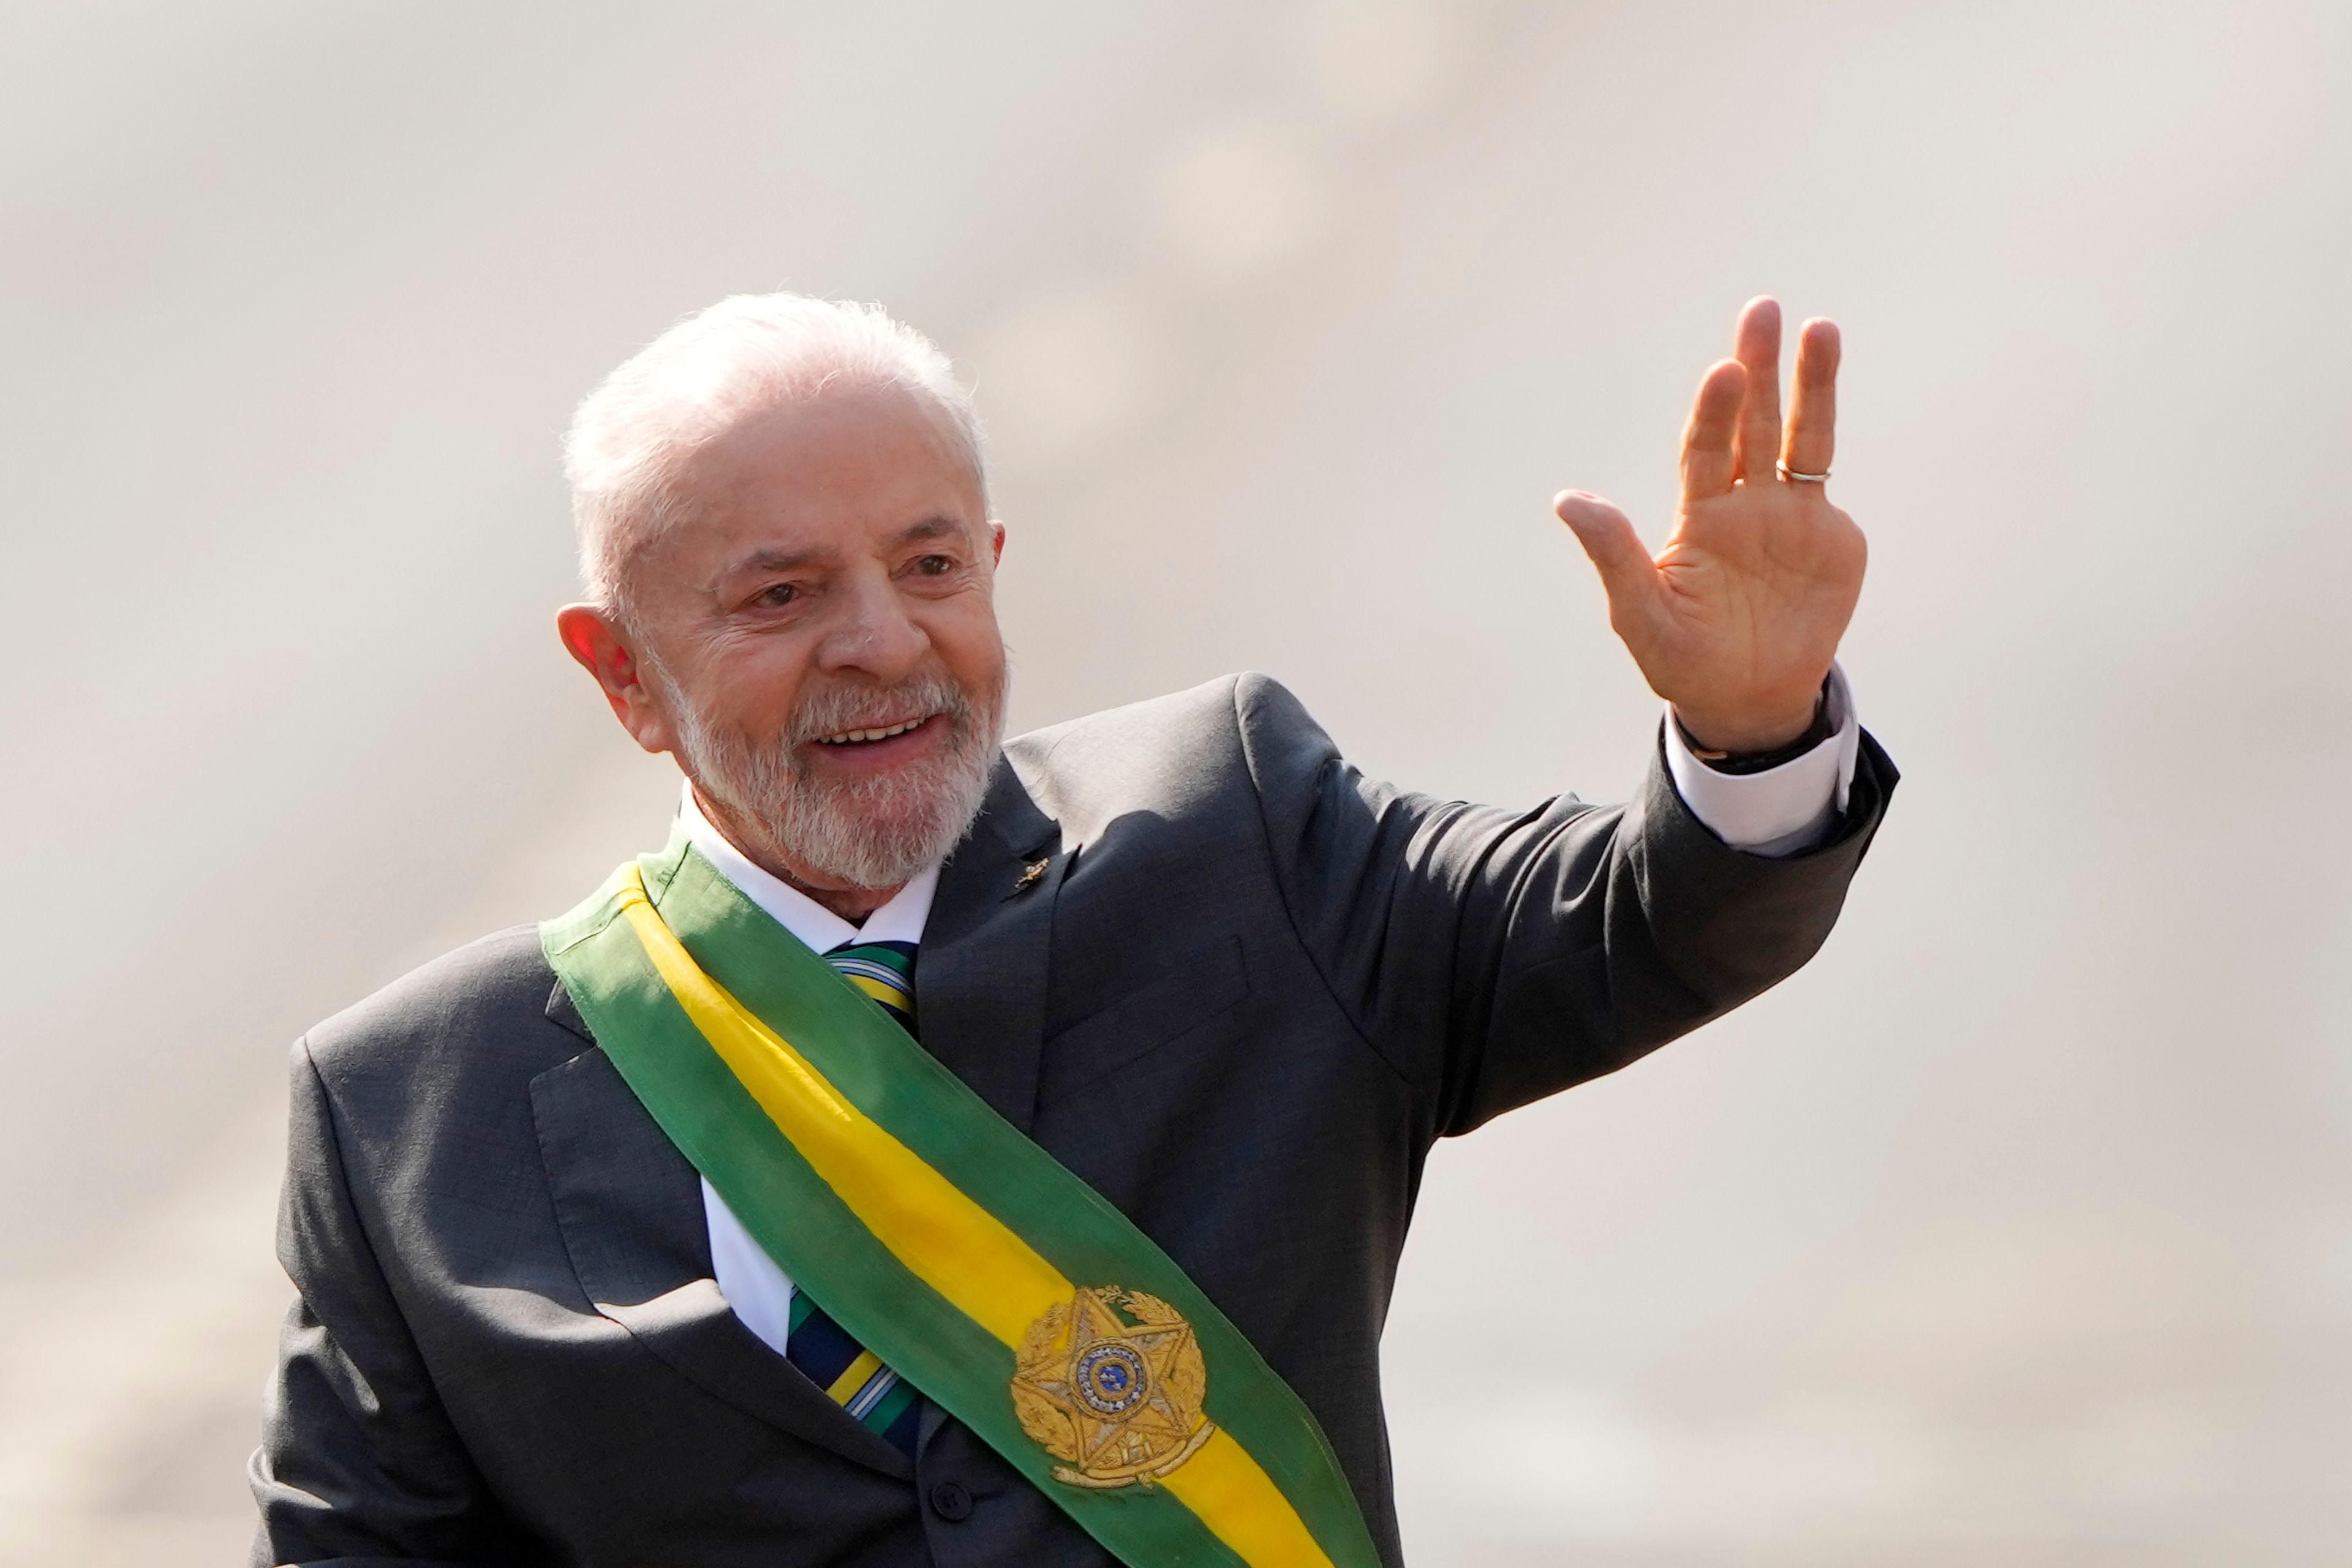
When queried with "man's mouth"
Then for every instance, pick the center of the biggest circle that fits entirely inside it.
(867, 736)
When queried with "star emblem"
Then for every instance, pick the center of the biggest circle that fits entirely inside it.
(1111, 1384)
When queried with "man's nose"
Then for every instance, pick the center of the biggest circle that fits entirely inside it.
(873, 634)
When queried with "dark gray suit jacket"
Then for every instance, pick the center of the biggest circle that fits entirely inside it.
(1248, 994)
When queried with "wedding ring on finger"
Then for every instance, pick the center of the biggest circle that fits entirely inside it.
(1795, 478)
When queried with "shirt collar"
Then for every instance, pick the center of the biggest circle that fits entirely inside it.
(818, 928)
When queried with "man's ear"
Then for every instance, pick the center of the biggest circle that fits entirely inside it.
(596, 642)
(995, 541)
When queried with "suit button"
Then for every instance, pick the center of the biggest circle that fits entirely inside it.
(950, 1501)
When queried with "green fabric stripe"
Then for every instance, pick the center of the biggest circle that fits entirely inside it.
(870, 1059)
(714, 1121)
(898, 960)
(933, 1112)
(891, 1405)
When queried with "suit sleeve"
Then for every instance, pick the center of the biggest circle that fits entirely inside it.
(359, 1464)
(1494, 957)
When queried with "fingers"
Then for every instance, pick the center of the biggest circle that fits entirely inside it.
(1812, 407)
(1707, 460)
(1757, 344)
(1626, 571)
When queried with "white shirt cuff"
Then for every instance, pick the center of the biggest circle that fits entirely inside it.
(1781, 811)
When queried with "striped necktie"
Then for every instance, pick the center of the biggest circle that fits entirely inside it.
(849, 1373)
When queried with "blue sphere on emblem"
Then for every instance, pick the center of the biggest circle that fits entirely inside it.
(1111, 1379)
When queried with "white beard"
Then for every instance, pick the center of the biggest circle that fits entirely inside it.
(874, 833)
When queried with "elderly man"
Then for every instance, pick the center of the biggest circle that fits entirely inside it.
(948, 1151)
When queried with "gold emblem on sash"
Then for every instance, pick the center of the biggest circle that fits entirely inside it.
(1111, 1385)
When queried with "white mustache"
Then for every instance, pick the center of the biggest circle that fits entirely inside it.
(833, 710)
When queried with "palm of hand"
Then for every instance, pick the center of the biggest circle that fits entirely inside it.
(1736, 620)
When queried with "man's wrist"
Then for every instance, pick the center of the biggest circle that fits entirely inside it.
(1759, 758)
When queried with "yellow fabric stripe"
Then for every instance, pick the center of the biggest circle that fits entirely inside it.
(950, 1243)
(1241, 1505)
(899, 999)
(853, 1377)
(946, 1240)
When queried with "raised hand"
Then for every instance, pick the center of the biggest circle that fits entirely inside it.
(1736, 620)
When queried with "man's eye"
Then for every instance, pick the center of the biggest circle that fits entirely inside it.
(778, 594)
(935, 565)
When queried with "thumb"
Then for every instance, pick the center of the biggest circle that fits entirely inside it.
(1609, 539)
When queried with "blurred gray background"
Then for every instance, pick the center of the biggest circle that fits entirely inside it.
(2016, 1230)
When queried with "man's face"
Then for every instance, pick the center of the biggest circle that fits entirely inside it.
(823, 633)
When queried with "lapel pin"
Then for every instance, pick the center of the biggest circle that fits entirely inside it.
(1029, 876)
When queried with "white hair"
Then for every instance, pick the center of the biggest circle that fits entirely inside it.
(630, 441)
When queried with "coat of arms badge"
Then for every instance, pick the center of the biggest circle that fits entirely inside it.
(1111, 1385)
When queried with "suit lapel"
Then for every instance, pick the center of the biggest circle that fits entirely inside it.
(980, 981)
(630, 1208)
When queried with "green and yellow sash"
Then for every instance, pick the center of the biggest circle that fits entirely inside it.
(944, 1240)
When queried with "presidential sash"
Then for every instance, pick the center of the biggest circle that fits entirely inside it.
(945, 1241)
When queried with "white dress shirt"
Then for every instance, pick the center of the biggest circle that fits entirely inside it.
(1782, 810)
(1776, 812)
